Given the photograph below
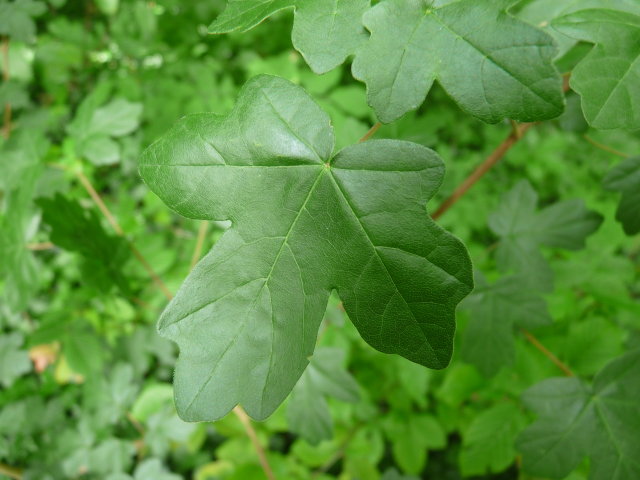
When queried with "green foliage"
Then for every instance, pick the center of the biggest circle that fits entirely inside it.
(607, 78)
(491, 77)
(325, 32)
(625, 178)
(400, 287)
(87, 383)
(577, 419)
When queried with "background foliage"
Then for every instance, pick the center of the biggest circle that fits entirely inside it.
(88, 257)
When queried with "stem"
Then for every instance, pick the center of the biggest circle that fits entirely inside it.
(246, 423)
(536, 343)
(371, 132)
(483, 168)
(6, 126)
(10, 472)
(202, 232)
(40, 246)
(604, 147)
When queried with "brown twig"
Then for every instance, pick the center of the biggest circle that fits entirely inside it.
(10, 472)
(202, 232)
(371, 132)
(246, 423)
(6, 125)
(95, 196)
(40, 246)
(483, 168)
(536, 343)
(604, 147)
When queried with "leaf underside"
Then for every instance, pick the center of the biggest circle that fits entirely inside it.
(303, 224)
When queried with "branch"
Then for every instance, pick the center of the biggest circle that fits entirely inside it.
(10, 472)
(246, 423)
(6, 126)
(536, 343)
(371, 132)
(513, 138)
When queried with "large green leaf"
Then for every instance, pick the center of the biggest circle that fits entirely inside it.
(491, 76)
(599, 420)
(308, 413)
(325, 32)
(522, 230)
(303, 224)
(608, 78)
(16, 18)
(625, 178)
(488, 340)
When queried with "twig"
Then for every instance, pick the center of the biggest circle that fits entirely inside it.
(246, 423)
(202, 232)
(483, 168)
(10, 472)
(6, 125)
(40, 246)
(118, 229)
(136, 424)
(371, 132)
(604, 147)
(536, 343)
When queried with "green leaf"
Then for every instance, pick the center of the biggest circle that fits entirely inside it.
(490, 76)
(625, 178)
(77, 229)
(608, 78)
(14, 362)
(116, 119)
(576, 419)
(488, 340)
(303, 224)
(16, 18)
(308, 414)
(488, 442)
(522, 231)
(393, 474)
(411, 438)
(19, 173)
(325, 32)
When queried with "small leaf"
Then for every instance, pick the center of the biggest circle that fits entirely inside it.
(625, 178)
(307, 412)
(14, 362)
(77, 229)
(488, 442)
(116, 119)
(522, 230)
(575, 419)
(488, 340)
(411, 438)
(303, 224)
(608, 78)
(16, 19)
(491, 76)
(325, 32)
